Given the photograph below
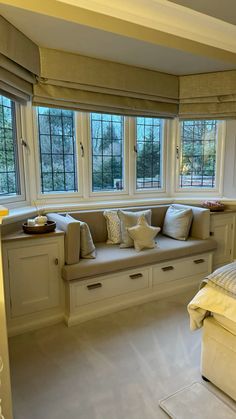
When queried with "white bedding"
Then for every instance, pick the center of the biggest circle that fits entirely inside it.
(209, 299)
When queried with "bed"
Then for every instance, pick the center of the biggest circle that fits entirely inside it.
(214, 309)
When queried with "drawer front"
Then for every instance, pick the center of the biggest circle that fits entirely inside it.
(178, 269)
(107, 287)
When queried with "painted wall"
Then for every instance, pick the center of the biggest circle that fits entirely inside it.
(229, 188)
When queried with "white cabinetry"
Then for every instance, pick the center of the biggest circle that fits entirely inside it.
(222, 230)
(93, 297)
(34, 288)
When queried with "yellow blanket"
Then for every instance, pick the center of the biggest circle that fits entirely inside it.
(209, 299)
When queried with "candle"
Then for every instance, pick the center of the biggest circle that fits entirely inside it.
(31, 222)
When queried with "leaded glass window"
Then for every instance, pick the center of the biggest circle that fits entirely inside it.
(9, 168)
(149, 153)
(107, 136)
(198, 154)
(57, 150)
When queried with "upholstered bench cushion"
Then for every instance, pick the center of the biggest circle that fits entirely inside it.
(110, 258)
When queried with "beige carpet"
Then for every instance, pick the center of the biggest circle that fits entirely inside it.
(196, 402)
(115, 367)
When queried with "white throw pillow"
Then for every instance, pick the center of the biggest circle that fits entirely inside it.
(87, 248)
(113, 226)
(177, 222)
(143, 234)
(129, 219)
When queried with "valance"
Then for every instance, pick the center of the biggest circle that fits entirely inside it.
(19, 63)
(77, 82)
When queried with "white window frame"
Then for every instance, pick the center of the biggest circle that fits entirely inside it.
(60, 196)
(101, 195)
(219, 167)
(151, 191)
(13, 200)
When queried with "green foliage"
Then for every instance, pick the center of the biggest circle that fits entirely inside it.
(107, 155)
(8, 183)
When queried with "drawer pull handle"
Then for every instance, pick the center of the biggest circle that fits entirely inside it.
(168, 268)
(94, 286)
(56, 261)
(211, 233)
(136, 276)
(197, 261)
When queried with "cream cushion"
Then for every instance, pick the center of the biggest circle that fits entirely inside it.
(129, 219)
(87, 248)
(143, 234)
(177, 222)
(113, 226)
(112, 259)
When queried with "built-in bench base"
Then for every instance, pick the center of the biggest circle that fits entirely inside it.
(97, 296)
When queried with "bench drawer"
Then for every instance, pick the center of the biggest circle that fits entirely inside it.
(90, 291)
(178, 269)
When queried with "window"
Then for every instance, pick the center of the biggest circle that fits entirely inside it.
(56, 135)
(197, 154)
(149, 153)
(107, 138)
(9, 167)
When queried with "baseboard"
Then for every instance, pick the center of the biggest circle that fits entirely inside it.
(114, 305)
(22, 326)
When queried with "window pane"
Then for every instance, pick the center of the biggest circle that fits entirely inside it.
(57, 150)
(107, 152)
(9, 169)
(198, 154)
(149, 152)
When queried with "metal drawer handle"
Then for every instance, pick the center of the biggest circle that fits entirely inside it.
(94, 286)
(197, 261)
(136, 276)
(168, 268)
(56, 261)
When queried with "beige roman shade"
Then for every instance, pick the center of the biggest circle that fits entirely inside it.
(211, 95)
(19, 63)
(83, 83)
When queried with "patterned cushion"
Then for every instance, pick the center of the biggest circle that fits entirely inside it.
(113, 226)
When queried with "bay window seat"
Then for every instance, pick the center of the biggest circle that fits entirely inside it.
(119, 277)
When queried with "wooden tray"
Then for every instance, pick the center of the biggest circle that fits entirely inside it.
(39, 229)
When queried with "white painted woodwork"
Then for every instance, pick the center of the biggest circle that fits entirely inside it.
(120, 291)
(34, 287)
(5, 383)
(34, 278)
(108, 286)
(223, 230)
(171, 270)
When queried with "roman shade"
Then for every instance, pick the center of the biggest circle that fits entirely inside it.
(19, 63)
(89, 84)
(205, 96)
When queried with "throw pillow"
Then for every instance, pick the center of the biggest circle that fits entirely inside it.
(113, 226)
(87, 248)
(177, 222)
(143, 234)
(129, 219)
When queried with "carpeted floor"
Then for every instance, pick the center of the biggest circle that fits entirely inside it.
(115, 367)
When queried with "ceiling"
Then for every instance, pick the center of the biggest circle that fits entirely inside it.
(146, 45)
(220, 9)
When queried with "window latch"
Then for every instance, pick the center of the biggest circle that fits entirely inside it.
(23, 143)
(82, 149)
(177, 152)
(135, 149)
